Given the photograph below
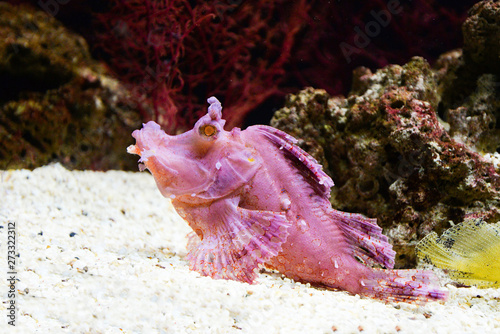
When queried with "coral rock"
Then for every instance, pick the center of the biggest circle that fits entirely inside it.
(390, 155)
(469, 81)
(481, 33)
(56, 103)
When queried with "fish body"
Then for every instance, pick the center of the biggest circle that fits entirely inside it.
(469, 251)
(254, 198)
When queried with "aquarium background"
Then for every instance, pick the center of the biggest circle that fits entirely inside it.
(398, 100)
(172, 55)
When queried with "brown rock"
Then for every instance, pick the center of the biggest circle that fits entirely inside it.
(56, 103)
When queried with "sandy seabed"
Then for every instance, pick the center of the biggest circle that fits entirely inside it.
(105, 253)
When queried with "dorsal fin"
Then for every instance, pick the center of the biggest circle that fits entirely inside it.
(364, 235)
(310, 169)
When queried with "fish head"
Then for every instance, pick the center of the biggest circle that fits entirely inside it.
(204, 160)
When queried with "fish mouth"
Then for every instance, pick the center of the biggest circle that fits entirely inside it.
(134, 149)
(151, 136)
(168, 159)
(151, 144)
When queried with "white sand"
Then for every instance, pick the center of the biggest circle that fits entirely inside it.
(125, 272)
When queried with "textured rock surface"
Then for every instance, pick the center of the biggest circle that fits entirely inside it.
(391, 157)
(481, 33)
(56, 103)
(469, 81)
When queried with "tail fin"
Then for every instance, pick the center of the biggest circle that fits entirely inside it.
(410, 286)
(469, 251)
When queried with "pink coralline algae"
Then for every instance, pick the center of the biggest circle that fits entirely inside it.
(254, 198)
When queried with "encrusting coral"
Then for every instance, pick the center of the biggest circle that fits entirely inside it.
(391, 157)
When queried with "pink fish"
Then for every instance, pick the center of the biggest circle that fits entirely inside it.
(255, 199)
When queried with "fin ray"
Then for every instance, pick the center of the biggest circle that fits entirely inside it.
(469, 251)
(243, 240)
(366, 237)
(406, 285)
(307, 166)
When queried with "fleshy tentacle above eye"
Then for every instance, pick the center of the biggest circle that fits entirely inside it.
(215, 108)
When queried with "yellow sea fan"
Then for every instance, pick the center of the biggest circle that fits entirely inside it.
(470, 251)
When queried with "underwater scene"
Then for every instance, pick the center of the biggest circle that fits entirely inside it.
(173, 166)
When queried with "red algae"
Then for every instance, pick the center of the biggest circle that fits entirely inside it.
(172, 52)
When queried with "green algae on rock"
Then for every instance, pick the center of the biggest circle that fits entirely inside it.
(391, 156)
(56, 103)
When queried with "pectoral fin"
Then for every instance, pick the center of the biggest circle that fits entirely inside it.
(237, 241)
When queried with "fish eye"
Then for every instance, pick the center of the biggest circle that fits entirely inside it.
(208, 130)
